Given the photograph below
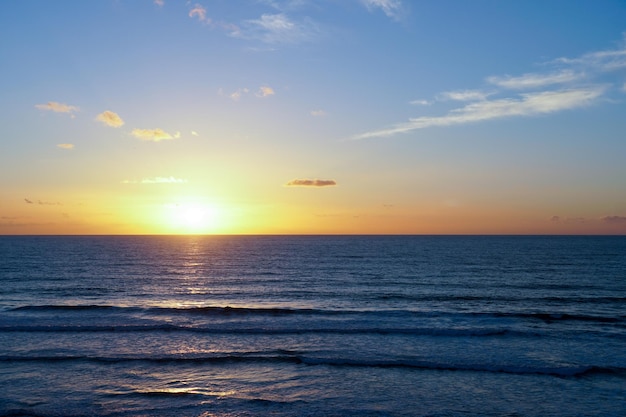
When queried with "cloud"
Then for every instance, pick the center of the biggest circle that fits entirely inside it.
(57, 107)
(67, 146)
(614, 219)
(574, 83)
(157, 180)
(465, 95)
(568, 220)
(194, 133)
(154, 135)
(159, 3)
(110, 118)
(535, 80)
(42, 203)
(265, 91)
(277, 29)
(392, 8)
(200, 12)
(318, 113)
(530, 104)
(310, 183)
(420, 102)
(237, 94)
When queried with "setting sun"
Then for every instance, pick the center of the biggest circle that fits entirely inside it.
(192, 217)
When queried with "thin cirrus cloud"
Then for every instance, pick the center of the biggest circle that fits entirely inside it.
(311, 183)
(67, 146)
(527, 105)
(157, 180)
(58, 107)
(277, 29)
(527, 81)
(151, 135)
(391, 8)
(567, 88)
(110, 118)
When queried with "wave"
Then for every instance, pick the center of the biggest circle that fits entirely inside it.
(379, 330)
(296, 359)
(283, 311)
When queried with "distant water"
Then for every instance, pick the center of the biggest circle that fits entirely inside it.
(312, 326)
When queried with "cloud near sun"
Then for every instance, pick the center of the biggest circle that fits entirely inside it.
(57, 107)
(110, 118)
(153, 135)
(574, 83)
(311, 183)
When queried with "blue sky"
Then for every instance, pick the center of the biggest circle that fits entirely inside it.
(302, 116)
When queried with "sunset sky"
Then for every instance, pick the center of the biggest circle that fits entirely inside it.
(312, 116)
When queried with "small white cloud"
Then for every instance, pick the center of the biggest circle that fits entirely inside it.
(154, 135)
(159, 3)
(110, 118)
(177, 135)
(194, 133)
(237, 94)
(67, 146)
(420, 103)
(265, 91)
(57, 107)
(318, 113)
(200, 12)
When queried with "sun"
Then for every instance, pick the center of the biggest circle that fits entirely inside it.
(192, 218)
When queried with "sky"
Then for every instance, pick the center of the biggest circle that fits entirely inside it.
(312, 117)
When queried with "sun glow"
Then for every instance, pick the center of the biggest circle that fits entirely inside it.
(192, 218)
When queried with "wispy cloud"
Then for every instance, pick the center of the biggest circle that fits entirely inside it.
(110, 118)
(277, 29)
(536, 80)
(420, 103)
(157, 180)
(159, 3)
(200, 12)
(194, 133)
(265, 91)
(614, 219)
(42, 203)
(235, 96)
(68, 146)
(392, 8)
(154, 135)
(577, 83)
(58, 107)
(465, 95)
(318, 113)
(311, 183)
(526, 105)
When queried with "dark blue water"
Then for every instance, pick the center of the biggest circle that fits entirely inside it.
(313, 326)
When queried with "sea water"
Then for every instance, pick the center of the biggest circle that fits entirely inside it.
(313, 326)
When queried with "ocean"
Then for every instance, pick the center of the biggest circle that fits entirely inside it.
(217, 326)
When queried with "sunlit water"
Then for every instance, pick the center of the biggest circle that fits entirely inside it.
(312, 326)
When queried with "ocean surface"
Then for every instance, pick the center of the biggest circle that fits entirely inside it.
(220, 326)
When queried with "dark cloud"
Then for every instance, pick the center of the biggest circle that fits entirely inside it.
(614, 219)
(311, 183)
